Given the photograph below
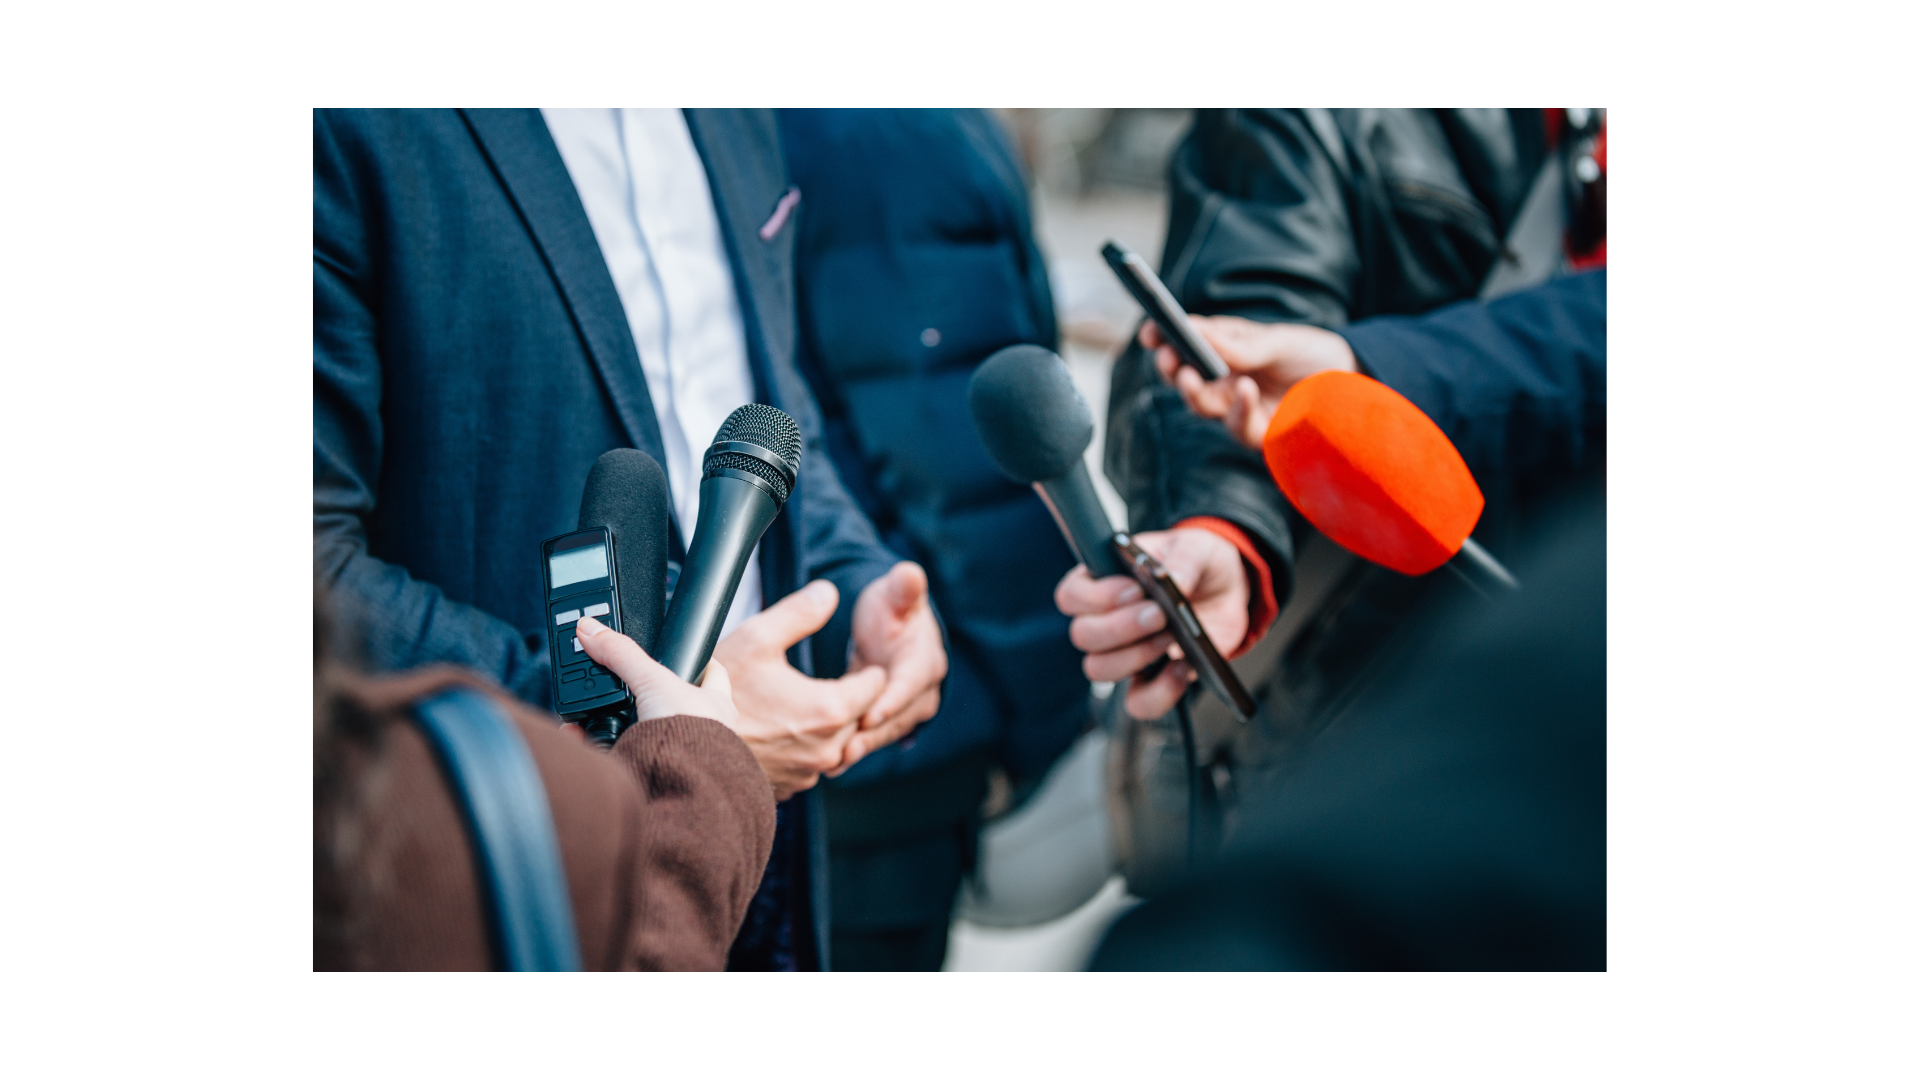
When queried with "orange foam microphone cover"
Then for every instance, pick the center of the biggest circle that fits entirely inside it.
(1372, 472)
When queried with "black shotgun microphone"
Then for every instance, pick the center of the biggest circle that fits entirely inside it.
(1037, 430)
(626, 493)
(748, 473)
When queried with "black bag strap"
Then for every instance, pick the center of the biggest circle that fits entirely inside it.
(524, 883)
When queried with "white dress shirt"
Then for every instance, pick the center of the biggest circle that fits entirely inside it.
(645, 192)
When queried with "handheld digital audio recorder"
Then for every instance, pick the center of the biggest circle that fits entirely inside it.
(582, 579)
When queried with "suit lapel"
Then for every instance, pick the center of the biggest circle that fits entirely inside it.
(747, 175)
(522, 153)
(741, 151)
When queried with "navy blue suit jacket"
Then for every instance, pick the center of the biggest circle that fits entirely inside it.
(472, 359)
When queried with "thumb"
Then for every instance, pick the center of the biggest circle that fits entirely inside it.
(716, 679)
(906, 584)
(859, 690)
(797, 615)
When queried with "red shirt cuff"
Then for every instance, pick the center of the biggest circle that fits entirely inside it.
(1262, 607)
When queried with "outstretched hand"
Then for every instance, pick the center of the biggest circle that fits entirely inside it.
(894, 631)
(797, 727)
(1265, 361)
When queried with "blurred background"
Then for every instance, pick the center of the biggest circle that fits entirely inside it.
(1094, 175)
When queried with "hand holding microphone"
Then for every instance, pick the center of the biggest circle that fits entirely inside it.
(1364, 464)
(1123, 632)
(658, 692)
(1036, 428)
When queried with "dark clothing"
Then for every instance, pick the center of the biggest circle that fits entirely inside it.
(1454, 818)
(1321, 216)
(663, 837)
(916, 262)
(472, 360)
(1328, 216)
(1518, 384)
(1337, 217)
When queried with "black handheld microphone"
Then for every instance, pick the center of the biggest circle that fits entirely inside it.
(614, 567)
(748, 473)
(1036, 427)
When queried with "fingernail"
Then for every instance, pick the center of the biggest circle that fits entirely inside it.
(1151, 618)
(589, 626)
(1129, 594)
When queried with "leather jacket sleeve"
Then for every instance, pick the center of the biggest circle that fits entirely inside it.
(1259, 224)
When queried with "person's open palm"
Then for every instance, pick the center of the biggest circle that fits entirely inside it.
(894, 631)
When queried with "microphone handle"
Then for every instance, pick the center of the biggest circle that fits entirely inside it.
(734, 512)
(1477, 566)
(1076, 509)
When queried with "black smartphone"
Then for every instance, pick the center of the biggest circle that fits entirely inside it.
(1165, 311)
(582, 578)
(1198, 648)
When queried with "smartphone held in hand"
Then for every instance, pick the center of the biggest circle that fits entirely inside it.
(1146, 287)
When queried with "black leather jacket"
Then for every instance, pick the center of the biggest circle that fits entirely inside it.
(1324, 217)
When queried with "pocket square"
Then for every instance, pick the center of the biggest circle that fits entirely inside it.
(780, 214)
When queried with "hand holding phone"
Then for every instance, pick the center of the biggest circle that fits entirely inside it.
(1195, 646)
(1146, 287)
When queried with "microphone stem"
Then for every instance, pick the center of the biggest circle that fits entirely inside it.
(1481, 570)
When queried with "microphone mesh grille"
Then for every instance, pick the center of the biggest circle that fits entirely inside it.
(749, 465)
(764, 425)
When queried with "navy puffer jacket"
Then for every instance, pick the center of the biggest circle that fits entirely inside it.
(916, 262)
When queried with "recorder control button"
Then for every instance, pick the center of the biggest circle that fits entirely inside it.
(598, 610)
(569, 676)
(565, 617)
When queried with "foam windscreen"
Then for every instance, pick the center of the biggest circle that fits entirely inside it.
(627, 492)
(1029, 415)
(1372, 471)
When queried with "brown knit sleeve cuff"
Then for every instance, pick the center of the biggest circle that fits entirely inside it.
(706, 831)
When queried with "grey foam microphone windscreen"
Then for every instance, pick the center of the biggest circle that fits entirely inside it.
(627, 492)
(766, 427)
(1027, 412)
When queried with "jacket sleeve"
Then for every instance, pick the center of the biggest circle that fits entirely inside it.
(1258, 223)
(1258, 227)
(839, 542)
(704, 839)
(1518, 384)
(400, 621)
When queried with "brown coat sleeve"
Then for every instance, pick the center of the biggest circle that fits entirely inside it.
(664, 840)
